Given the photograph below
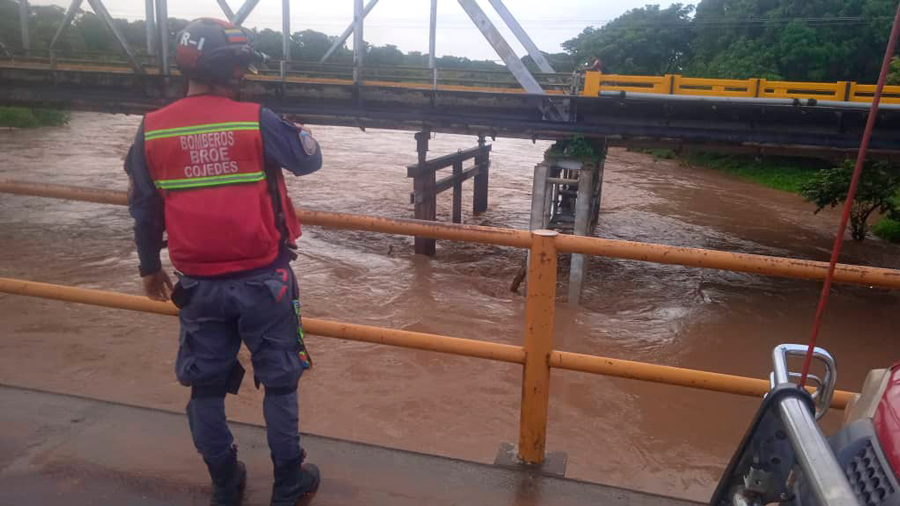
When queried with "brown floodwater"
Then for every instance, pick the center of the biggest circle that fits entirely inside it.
(651, 437)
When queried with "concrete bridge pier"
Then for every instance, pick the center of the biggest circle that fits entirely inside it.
(566, 197)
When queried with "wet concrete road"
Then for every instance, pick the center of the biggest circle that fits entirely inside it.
(57, 449)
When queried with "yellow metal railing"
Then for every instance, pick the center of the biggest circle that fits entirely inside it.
(674, 84)
(595, 82)
(865, 92)
(787, 89)
(477, 80)
(537, 354)
(714, 87)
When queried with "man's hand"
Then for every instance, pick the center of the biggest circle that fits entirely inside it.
(157, 286)
(303, 127)
(310, 144)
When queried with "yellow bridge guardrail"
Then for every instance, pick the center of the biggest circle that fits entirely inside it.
(714, 87)
(788, 89)
(594, 82)
(674, 84)
(537, 355)
(865, 92)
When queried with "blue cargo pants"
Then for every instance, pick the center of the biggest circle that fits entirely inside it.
(262, 310)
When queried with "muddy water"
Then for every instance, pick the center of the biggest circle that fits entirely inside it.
(656, 438)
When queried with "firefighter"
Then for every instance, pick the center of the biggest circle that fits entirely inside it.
(207, 170)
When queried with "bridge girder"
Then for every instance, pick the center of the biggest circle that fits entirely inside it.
(789, 128)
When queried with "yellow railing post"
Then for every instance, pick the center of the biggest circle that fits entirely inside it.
(761, 87)
(842, 92)
(669, 84)
(676, 84)
(752, 87)
(540, 305)
(592, 84)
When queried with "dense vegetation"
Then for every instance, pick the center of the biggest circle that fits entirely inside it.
(21, 117)
(814, 40)
(811, 40)
(800, 40)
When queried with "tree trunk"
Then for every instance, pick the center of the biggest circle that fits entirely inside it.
(859, 218)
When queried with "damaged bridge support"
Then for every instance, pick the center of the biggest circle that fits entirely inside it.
(426, 186)
(566, 198)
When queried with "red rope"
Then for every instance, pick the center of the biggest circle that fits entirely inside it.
(851, 194)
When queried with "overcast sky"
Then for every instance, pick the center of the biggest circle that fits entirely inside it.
(404, 23)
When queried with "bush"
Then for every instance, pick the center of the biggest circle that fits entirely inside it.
(576, 147)
(21, 117)
(878, 186)
(887, 229)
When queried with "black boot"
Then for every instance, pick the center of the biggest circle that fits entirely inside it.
(294, 481)
(229, 477)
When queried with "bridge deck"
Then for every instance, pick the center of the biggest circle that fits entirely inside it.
(57, 449)
(763, 126)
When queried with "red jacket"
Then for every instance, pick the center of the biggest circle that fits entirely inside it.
(205, 156)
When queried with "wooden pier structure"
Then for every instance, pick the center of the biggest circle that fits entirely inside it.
(426, 186)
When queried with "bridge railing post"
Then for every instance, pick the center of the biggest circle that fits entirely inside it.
(669, 83)
(843, 88)
(540, 306)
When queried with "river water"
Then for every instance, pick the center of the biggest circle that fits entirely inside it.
(651, 437)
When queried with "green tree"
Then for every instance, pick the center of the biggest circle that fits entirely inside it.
(94, 33)
(10, 31)
(415, 59)
(310, 45)
(561, 62)
(269, 42)
(646, 41)
(456, 62)
(878, 185)
(387, 55)
(818, 40)
(44, 21)
(893, 77)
